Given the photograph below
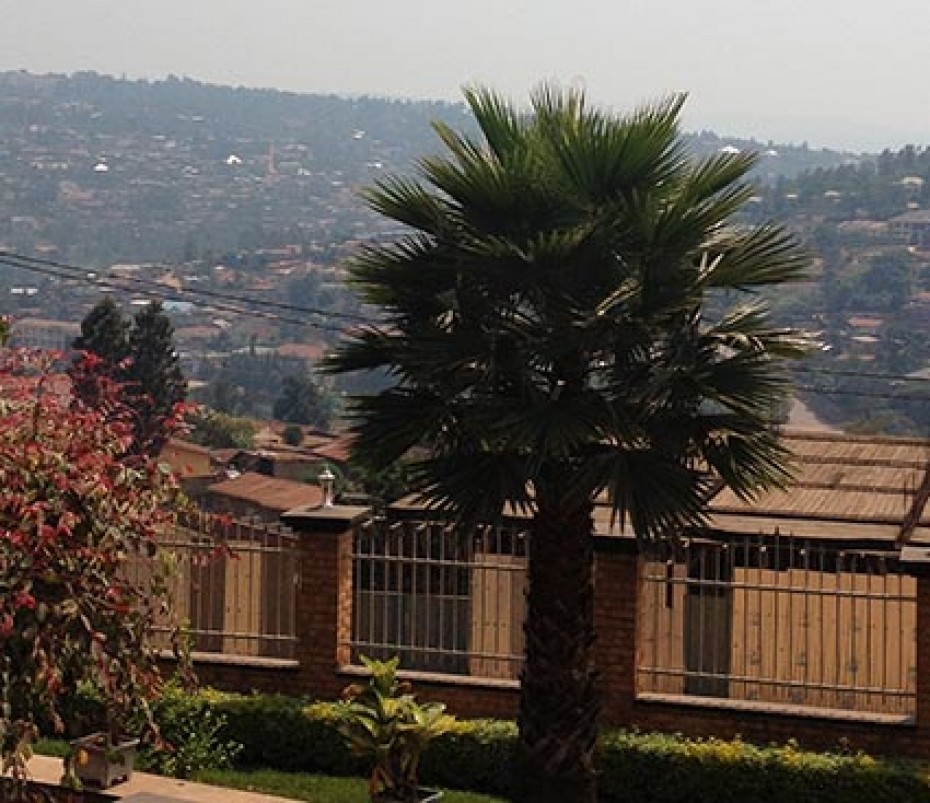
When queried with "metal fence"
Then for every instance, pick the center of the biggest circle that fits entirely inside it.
(234, 587)
(778, 620)
(442, 600)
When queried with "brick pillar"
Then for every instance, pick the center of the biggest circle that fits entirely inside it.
(616, 591)
(324, 597)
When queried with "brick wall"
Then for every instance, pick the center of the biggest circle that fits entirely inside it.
(324, 622)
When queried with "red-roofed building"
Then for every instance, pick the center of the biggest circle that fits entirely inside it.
(253, 494)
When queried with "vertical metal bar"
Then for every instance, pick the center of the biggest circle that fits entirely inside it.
(375, 576)
(776, 686)
(791, 622)
(428, 570)
(886, 623)
(397, 556)
(807, 618)
(852, 667)
(442, 590)
(899, 605)
(838, 624)
(410, 558)
(384, 594)
(497, 585)
(758, 557)
(449, 535)
(699, 597)
(870, 624)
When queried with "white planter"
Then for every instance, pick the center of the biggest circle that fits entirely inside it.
(98, 762)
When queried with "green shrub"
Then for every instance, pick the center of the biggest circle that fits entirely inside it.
(657, 768)
(276, 732)
(285, 733)
(193, 734)
(478, 754)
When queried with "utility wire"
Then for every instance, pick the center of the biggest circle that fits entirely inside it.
(172, 295)
(227, 302)
(156, 290)
(81, 273)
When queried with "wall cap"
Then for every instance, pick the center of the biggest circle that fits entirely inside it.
(779, 709)
(351, 670)
(331, 518)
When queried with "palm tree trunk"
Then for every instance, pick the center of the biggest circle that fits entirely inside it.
(560, 704)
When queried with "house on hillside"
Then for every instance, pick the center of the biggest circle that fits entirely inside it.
(912, 228)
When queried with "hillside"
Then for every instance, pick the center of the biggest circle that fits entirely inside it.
(97, 170)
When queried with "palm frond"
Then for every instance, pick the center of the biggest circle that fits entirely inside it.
(761, 256)
(655, 491)
(501, 125)
(405, 201)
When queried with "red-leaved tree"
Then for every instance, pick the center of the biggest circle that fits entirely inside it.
(81, 581)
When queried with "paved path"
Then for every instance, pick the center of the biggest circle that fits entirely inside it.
(145, 788)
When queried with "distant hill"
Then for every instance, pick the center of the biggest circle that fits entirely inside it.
(96, 170)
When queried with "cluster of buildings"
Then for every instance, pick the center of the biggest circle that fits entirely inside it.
(96, 171)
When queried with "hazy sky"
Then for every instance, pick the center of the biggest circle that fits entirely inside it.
(842, 73)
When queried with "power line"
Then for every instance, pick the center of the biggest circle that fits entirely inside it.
(227, 302)
(152, 289)
(169, 294)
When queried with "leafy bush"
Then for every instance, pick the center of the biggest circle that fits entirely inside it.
(477, 754)
(192, 736)
(662, 768)
(277, 732)
(290, 734)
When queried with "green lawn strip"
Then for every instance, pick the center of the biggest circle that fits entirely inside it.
(315, 788)
(294, 785)
(56, 748)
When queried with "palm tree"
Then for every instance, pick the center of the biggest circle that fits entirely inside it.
(572, 317)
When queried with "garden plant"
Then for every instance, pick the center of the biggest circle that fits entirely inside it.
(83, 583)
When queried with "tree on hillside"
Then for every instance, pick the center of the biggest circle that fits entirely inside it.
(220, 430)
(546, 327)
(302, 402)
(154, 376)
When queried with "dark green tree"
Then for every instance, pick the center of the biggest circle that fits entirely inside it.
(219, 430)
(293, 435)
(301, 402)
(546, 327)
(153, 377)
(105, 336)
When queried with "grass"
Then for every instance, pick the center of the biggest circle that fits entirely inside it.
(313, 788)
(293, 785)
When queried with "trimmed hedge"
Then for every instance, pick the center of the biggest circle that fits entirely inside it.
(657, 768)
(294, 735)
(285, 733)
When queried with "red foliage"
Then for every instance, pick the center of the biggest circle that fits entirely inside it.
(81, 584)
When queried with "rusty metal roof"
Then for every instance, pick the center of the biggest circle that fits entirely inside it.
(845, 486)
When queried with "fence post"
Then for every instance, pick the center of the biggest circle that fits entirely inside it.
(616, 599)
(324, 594)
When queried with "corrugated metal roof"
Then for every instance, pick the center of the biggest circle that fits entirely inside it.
(270, 493)
(843, 483)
